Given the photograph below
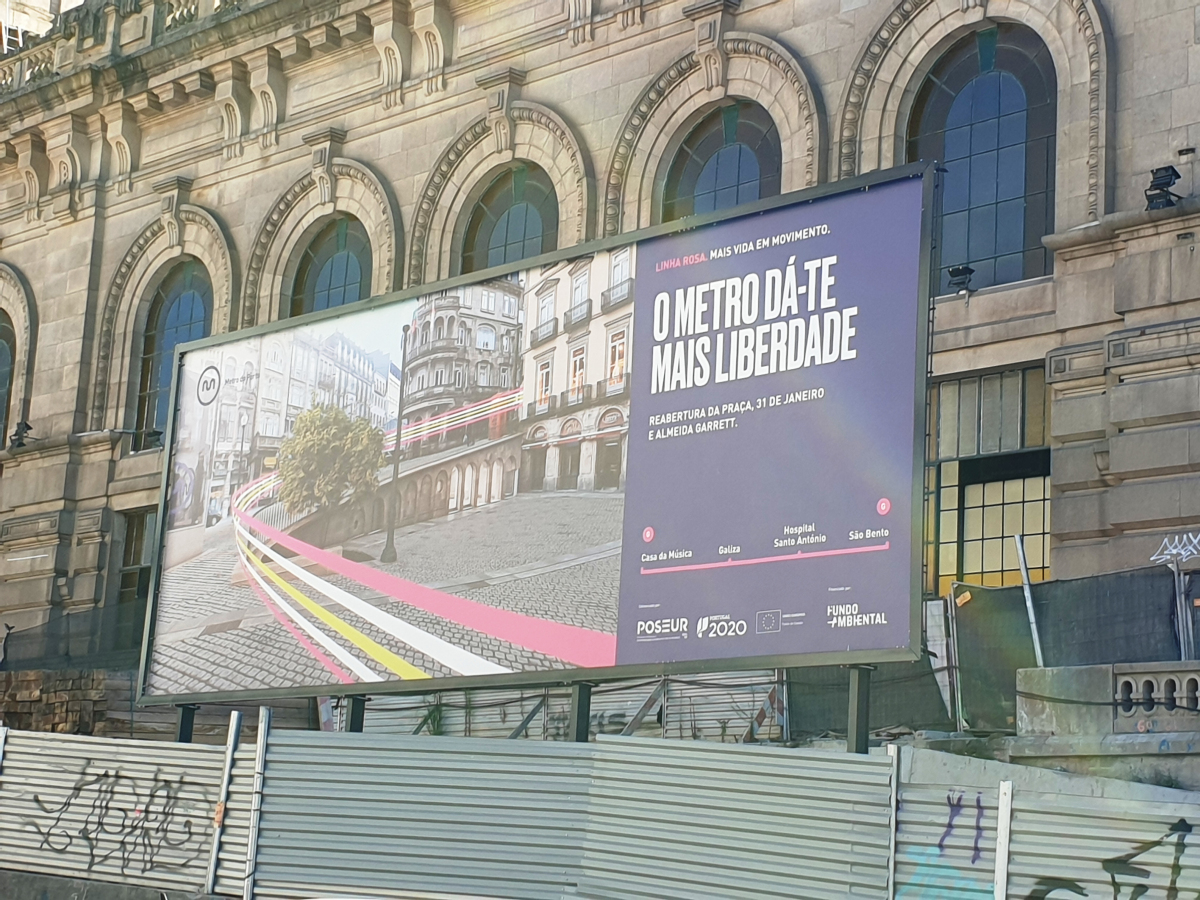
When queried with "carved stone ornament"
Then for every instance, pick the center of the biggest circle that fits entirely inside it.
(433, 28)
(325, 144)
(34, 167)
(501, 88)
(268, 86)
(580, 28)
(233, 99)
(712, 18)
(630, 14)
(173, 192)
(67, 149)
(393, 42)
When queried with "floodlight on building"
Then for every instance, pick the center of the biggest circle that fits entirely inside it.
(1159, 194)
(960, 278)
(19, 434)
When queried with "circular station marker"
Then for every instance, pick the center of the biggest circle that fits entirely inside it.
(884, 506)
(647, 534)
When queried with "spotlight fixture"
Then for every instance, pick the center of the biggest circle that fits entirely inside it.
(19, 434)
(1159, 195)
(960, 278)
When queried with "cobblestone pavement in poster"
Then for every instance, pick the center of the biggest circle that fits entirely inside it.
(551, 555)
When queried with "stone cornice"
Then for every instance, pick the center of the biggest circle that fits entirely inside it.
(1099, 236)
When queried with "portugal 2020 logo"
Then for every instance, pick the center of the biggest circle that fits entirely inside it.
(208, 386)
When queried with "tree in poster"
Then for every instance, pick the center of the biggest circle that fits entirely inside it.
(328, 456)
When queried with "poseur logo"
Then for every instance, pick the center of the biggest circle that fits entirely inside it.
(663, 627)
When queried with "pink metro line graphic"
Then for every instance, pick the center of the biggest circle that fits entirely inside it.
(266, 566)
(785, 557)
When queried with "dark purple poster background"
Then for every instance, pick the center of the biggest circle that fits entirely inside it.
(772, 514)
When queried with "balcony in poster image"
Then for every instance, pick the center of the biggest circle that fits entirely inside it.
(575, 396)
(544, 332)
(617, 295)
(441, 345)
(577, 316)
(613, 386)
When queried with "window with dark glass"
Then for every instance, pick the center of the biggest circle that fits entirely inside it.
(732, 156)
(335, 268)
(987, 110)
(8, 361)
(517, 217)
(134, 578)
(181, 311)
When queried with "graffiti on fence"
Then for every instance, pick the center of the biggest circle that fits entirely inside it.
(1128, 879)
(934, 873)
(933, 878)
(118, 820)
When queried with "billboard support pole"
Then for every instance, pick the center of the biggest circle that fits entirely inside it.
(389, 549)
(186, 723)
(581, 712)
(356, 713)
(858, 728)
(1033, 628)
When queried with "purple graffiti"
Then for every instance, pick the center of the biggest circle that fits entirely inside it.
(955, 804)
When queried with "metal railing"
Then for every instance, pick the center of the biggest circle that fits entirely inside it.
(577, 315)
(617, 295)
(544, 332)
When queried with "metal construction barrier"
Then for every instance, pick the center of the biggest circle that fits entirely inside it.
(312, 814)
(675, 821)
(134, 812)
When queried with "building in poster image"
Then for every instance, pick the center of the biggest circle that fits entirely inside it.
(463, 347)
(575, 413)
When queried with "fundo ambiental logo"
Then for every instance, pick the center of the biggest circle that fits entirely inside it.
(720, 626)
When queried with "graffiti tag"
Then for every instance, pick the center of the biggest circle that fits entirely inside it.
(116, 819)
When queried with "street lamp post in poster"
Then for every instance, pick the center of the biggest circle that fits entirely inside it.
(770, 499)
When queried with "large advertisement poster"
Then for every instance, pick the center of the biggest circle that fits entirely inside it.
(699, 448)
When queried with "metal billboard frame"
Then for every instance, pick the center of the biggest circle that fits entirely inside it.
(927, 172)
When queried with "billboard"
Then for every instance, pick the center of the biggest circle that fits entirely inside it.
(696, 450)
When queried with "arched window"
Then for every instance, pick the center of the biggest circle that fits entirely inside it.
(8, 362)
(485, 338)
(732, 156)
(335, 268)
(517, 217)
(988, 111)
(181, 311)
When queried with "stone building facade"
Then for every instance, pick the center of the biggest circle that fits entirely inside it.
(171, 169)
(575, 413)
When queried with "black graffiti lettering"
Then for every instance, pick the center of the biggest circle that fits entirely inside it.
(1047, 886)
(1123, 865)
(976, 851)
(1120, 869)
(125, 822)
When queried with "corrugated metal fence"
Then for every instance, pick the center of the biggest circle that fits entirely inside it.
(312, 814)
(716, 708)
(136, 812)
(680, 821)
